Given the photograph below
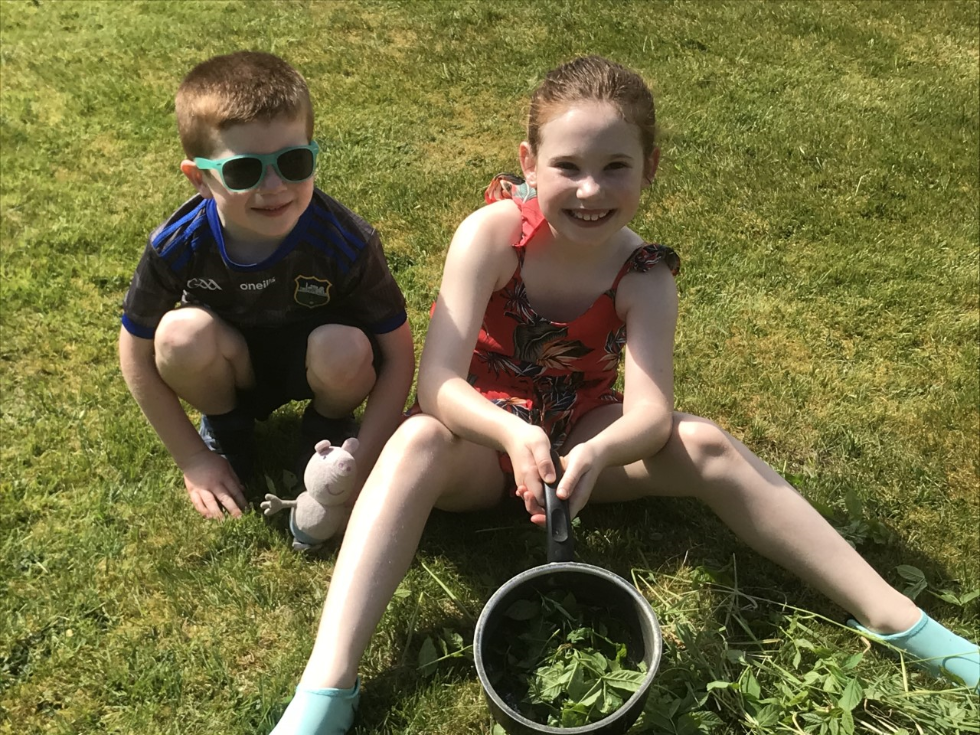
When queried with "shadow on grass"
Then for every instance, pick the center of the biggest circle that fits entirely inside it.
(723, 607)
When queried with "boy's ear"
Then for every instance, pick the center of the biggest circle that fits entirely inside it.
(196, 177)
(650, 167)
(529, 164)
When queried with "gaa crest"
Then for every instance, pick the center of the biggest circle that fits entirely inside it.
(312, 292)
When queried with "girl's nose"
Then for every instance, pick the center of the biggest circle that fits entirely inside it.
(588, 187)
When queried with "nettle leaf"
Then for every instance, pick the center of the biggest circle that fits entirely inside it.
(749, 686)
(579, 683)
(548, 683)
(915, 577)
(768, 715)
(852, 696)
(855, 508)
(594, 661)
(454, 638)
(593, 696)
(613, 701)
(573, 715)
(954, 599)
(523, 610)
(626, 681)
(566, 663)
(428, 656)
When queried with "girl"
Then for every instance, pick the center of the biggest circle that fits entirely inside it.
(544, 290)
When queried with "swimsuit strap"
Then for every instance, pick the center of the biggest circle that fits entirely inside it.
(645, 257)
(513, 187)
(510, 186)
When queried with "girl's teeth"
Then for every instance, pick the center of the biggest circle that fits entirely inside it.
(588, 217)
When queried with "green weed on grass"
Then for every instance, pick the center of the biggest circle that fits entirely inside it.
(819, 179)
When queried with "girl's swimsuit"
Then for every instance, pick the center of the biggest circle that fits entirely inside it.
(550, 373)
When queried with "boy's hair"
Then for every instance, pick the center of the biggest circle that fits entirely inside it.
(594, 79)
(238, 88)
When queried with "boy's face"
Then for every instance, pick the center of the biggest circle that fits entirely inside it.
(266, 214)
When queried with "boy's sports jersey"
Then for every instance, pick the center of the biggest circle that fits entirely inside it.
(332, 259)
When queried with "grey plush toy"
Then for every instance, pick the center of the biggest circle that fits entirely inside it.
(319, 512)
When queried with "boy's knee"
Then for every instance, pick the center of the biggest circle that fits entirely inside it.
(186, 337)
(339, 354)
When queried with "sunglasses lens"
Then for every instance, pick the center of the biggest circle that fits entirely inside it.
(296, 165)
(242, 173)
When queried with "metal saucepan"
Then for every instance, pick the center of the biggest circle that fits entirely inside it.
(590, 585)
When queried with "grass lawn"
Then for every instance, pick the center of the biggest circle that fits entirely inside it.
(820, 182)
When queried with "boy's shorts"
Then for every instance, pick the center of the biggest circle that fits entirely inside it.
(278, 356)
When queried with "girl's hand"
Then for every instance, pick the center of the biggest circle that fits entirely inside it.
(582, 467)
(530, 455)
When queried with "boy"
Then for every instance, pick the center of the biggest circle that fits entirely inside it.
(284, 294)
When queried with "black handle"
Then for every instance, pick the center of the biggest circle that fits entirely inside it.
(561, 545)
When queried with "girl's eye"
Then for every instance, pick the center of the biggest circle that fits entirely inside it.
(566, 166)
(616, 165)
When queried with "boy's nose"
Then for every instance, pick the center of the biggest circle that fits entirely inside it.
(271, 179)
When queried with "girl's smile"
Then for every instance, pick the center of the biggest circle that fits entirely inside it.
(586, 217)
(589, 171)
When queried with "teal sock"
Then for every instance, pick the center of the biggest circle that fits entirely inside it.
(936, 648)
(320, 711)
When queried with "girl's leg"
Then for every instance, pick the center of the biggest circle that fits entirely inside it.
(422, 466)
(702, 460)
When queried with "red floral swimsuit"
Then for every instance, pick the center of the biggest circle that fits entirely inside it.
(550, 373)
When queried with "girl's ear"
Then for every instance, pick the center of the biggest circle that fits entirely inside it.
(196, 177)
(650, 167)
(528, 164)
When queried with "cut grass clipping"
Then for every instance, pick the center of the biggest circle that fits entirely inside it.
(561, 663)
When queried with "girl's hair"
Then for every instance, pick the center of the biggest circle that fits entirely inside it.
(234, 89)
(593, 79)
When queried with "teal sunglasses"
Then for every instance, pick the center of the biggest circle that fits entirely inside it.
(242, 173)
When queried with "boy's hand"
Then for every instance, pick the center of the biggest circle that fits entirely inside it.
(212, 485)
(530, 455)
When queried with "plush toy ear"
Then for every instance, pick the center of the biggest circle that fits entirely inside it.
(350, 445)
(322, 446)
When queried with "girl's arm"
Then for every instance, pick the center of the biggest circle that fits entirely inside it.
(480, 261)
(648, 304)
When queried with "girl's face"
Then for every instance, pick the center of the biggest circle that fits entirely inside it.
(589, 171)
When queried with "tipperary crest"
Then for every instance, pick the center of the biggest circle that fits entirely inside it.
(312, 292)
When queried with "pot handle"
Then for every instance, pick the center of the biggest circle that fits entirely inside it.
(561, 545)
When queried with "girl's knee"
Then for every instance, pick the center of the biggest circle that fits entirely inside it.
(339, 354)
(421, 435)
(707, 446)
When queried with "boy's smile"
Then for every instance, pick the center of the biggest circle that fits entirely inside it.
(257, 220)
